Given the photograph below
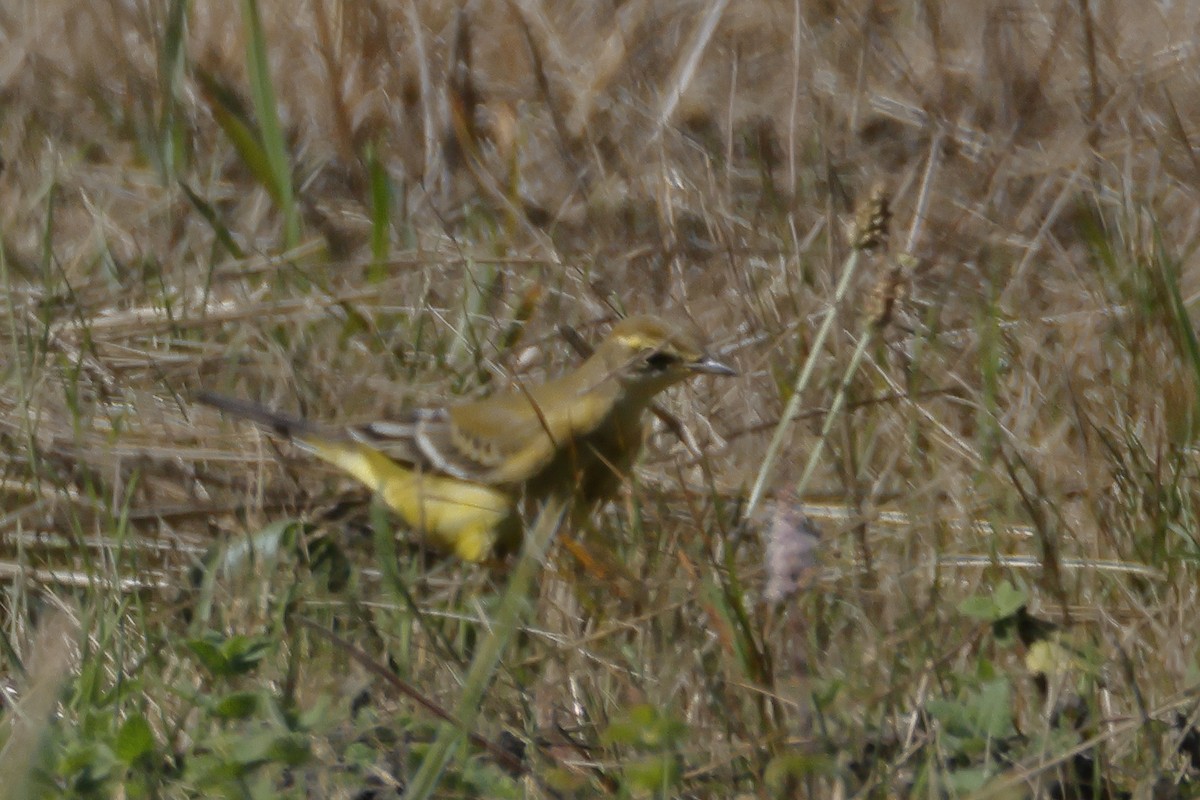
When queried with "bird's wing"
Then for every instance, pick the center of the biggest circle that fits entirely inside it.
(425, 439)
(527, 430)
(499, 440)
(504, 439)
(514, 434)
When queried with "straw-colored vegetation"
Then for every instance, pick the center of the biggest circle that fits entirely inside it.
(348, 209)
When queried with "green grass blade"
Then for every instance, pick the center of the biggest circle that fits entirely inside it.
(273, 144)
(171, 69)
(514, 605)
(381, 215)
(210, 216)
(793, 406)
(235, 121)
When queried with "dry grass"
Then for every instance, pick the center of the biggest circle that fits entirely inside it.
(466, 179)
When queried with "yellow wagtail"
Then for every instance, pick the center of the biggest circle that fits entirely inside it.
(456, 474)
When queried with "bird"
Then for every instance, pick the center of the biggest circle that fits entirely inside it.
(459, 475)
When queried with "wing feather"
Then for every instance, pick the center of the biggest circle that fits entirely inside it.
(506, 439)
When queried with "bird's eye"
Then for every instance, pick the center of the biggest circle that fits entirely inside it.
(659, 361)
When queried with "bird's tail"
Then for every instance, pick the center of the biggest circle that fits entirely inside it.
(328, 444)
(289, 427)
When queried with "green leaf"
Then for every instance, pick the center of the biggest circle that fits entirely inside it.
(135, 739)
(237, 705)
(791, 766)
(985, 714)
(291, 749)
(964, 781)
(244, 653)
(1004, 601)
(654, 774)
(991, 710)
(209, 654)
(1008, 599)
(87, 766)
(225, 657)
(212, 769)
(266, 543)
(644, 726)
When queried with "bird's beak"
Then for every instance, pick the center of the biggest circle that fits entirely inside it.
(710, 366)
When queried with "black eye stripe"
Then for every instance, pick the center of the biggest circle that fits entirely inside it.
(660, 360)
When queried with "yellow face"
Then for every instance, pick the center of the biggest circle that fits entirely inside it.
(654, 355)
(644, 333)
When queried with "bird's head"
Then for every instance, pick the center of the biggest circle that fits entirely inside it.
(648, 355)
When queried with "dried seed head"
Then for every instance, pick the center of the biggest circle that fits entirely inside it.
(869, 231)
(890, 289)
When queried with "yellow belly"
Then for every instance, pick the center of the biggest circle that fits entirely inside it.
(464, 518)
